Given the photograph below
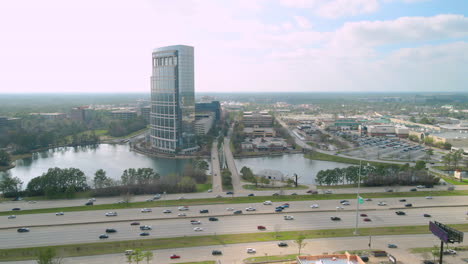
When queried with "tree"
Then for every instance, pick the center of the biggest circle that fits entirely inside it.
(300, 243)
(100, 179)
(5, 158)
(148, 255)
(137, 256)
(10, 186)
(447, 159)
(48, 256)
(456, 157)
(420, 165)
(56, 181)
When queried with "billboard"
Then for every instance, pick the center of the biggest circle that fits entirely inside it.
(445, 233)
(438, 231)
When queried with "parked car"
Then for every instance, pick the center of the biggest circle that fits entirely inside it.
(450, 252)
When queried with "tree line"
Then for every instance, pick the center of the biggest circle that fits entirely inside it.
(119, 128)
(57, 182)
(453, 159)
(379, 175)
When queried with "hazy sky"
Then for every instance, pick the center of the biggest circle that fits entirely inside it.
(240, 45)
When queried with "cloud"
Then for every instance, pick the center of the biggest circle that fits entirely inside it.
(334, 8)
(302, 22)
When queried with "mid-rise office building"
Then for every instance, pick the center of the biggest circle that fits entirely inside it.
(172, 117)
(213, 106)
(78, 113)
(262, 119)
(124, 114)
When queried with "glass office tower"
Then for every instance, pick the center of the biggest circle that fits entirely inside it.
(173, 100)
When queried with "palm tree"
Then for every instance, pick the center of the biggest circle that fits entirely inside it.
(148, 256)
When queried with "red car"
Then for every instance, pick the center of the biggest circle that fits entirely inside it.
(174, 256)
(135, 223)
(367, 220)
(261, 227)
(363, 215)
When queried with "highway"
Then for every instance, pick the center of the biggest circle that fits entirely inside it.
(169, 225)
(232, 167)
(236, 253)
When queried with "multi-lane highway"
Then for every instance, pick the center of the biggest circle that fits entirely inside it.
(170, 225)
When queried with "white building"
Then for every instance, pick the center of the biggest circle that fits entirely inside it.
(204, 124)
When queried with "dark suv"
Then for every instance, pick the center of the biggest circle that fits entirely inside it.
(204, 211)
(216, 252)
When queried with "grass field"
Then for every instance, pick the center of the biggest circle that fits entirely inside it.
(89, 249)
(240, 200)
(270, 258)
(259, 188)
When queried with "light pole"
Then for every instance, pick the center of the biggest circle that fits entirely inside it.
(358, 200)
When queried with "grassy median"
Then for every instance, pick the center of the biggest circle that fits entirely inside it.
(100, 248)
(238, 200)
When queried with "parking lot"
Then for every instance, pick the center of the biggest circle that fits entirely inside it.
(374, 148)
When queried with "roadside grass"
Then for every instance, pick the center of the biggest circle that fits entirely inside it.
(203, 187)
(261, 259)
(269, 188)
(340, 186)
(327, 157)
(447, 168)
(429, 249)
(101, 248)
(454, 181)
(238, 200)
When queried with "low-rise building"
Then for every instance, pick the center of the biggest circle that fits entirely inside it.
(345, 258)
(261, 119)
(204, 123)
(124, 114)
(50, 116)
(387, 131)
(259, 132)
(456, 139)
(78, 113)
(264, 144)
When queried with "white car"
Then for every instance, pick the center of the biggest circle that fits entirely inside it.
(345, 203)
(198, 229)
(209, 190)
(145, 227)
(32, 202)
(195, 222)
(181, 198)
(251, 250)
(111, 214)
(250, 209)
(229, 209)
(146, 210)
(60, 213)
(314, 206)
(150, 200)
(183, 208)
(428, 197)
(167, 211)
(420, 186)
(381, 203)
(267, 203)
(11, 216)
(288, 217)
(339, 208)
(182, 214)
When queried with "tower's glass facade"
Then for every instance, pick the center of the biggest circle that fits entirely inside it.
(173, 100)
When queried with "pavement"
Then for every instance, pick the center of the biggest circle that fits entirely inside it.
(216, 170)
(236, 253)
(237, 187)
(86, 226)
